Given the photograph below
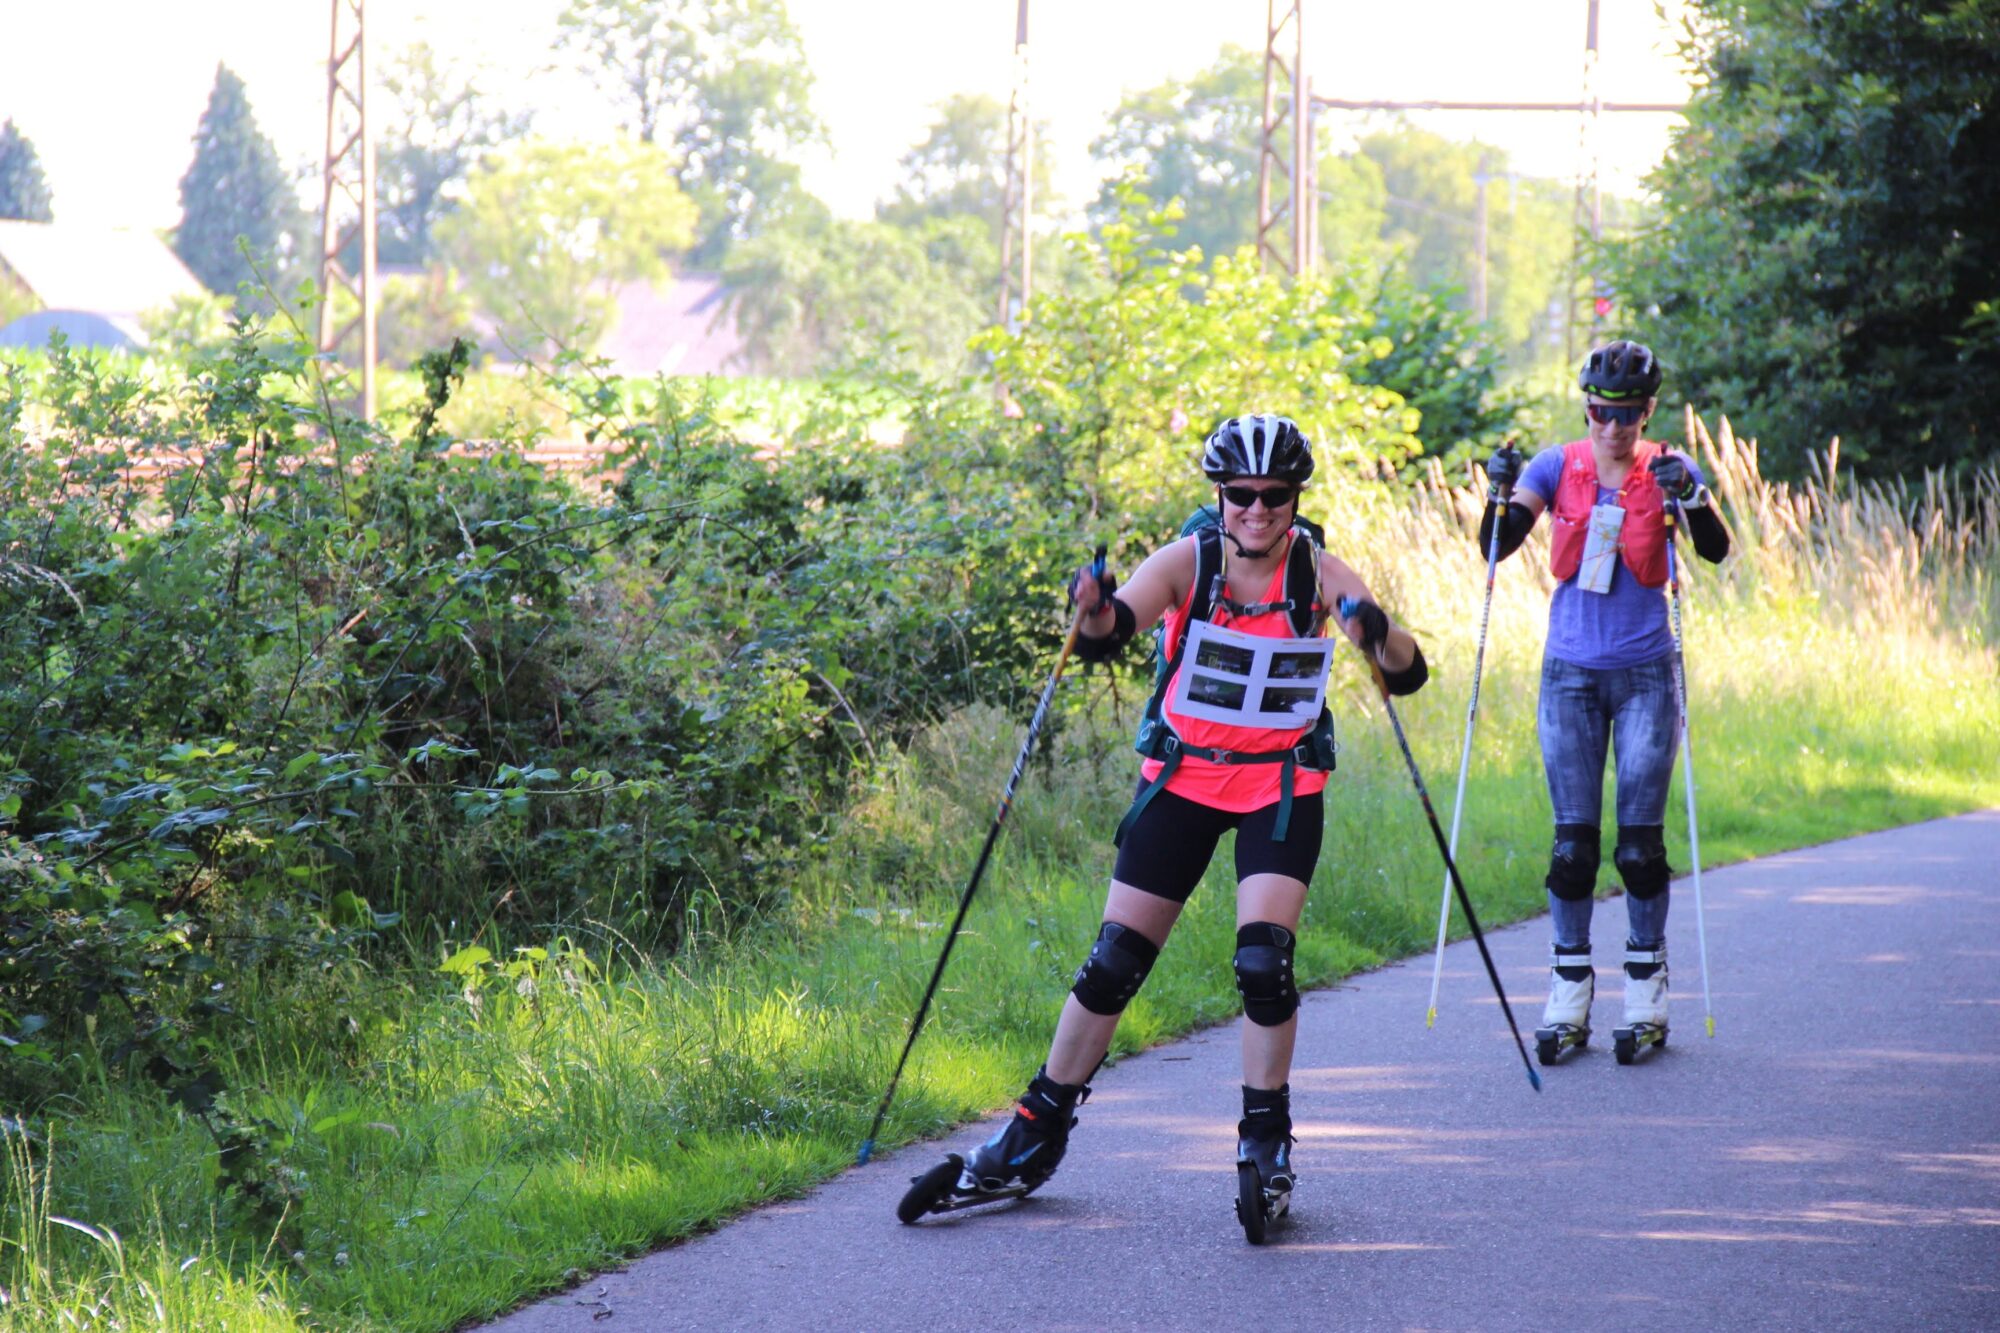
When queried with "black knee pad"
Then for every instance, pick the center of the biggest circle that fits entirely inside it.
(1116, 968)
(1264, 973)
(1573, 862)
(1641, 859)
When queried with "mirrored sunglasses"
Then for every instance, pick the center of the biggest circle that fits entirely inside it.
(1607, 414)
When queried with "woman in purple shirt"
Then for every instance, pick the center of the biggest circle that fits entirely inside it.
(1607, 673)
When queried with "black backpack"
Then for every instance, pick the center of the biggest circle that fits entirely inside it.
(1157, 739)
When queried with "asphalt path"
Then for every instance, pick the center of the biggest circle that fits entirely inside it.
(1829, 1160)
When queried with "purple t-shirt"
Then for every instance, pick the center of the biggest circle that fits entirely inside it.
(1619, 628)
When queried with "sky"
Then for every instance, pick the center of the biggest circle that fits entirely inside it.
(110, 90)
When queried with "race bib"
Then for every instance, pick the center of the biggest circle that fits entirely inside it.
(1247, 680)
(1600, 548)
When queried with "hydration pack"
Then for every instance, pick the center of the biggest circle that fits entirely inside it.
(1157, 738)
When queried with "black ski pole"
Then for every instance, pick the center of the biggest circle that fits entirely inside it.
(979, 867)
(1347, 606)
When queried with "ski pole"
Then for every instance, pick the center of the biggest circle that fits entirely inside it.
(1347, 606)
(979, 867)
(1687, 766)
(1499, 494)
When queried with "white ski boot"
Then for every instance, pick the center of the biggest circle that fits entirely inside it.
(1645, 1003)
(1566, 1017)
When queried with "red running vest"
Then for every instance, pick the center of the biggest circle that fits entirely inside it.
(1642, 542)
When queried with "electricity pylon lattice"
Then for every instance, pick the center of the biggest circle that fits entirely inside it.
(1287, 226)
(347, 208)
(1017, 199)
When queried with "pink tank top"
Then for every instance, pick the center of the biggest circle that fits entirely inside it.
(1238, 788)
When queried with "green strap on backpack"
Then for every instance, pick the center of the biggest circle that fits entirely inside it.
(1157, 738)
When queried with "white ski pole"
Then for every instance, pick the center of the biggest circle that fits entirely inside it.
(1687, 766)
(1501, 494)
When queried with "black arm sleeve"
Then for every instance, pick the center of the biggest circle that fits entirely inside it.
(1123, 626)
(1411, 678)
(1513, 529)
(1711, 539)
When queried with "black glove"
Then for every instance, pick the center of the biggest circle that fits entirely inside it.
(1503, 469)
(1374, 624)
(1673, 476)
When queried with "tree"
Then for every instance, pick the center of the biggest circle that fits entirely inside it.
(234, 187)
(24, 191)
(1431, 190)
(960, 168)
(725, 84)
(548, 229)
(1199, 142)
(810, 295)
(1196, 141)
(440, 128)
(1825, 260)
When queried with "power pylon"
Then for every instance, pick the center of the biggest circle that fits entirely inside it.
(347, 208)
(1287, 227)
(1017, 199)
(1592, 108)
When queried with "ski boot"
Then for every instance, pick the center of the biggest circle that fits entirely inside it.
(1645, 1002)
(1012, 1164)
(1566, 1017)
(1264, 1174)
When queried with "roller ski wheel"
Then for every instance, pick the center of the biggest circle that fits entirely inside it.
(1629, 1043)
(1261, 1200)
(1557, 1040)
(1250, 1208)
(1264, 1175)
(946, 1188)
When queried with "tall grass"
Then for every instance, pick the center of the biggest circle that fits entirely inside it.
(473, 1135)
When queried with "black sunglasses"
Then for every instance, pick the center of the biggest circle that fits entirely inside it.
(1605, 414)
(1245, 497)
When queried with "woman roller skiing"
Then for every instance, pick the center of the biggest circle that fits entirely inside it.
(1237, 738)
(1607, 675)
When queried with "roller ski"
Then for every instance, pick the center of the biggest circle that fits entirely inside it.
(1011, 1165)
(1566, 1017)
(1264, 1175)
(1645, 1023)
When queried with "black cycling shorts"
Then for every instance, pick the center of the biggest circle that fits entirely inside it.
(1169, 848)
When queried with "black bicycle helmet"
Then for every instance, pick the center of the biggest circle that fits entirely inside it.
(1258, 446)
(1621, 370)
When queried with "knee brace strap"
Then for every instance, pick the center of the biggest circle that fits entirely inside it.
(1641, 859)
(1264, 973)
(1118, 963)
(1573, 862)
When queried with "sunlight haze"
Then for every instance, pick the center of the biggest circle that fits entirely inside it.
(109, 91)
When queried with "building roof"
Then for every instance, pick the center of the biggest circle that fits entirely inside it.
(80, 328)
(117, 272)
(678, 328)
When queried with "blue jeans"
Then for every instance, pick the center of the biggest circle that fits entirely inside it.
(1631, 710)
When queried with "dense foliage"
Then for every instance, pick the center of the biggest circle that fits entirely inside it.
(1827, 261)
(318, 685)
